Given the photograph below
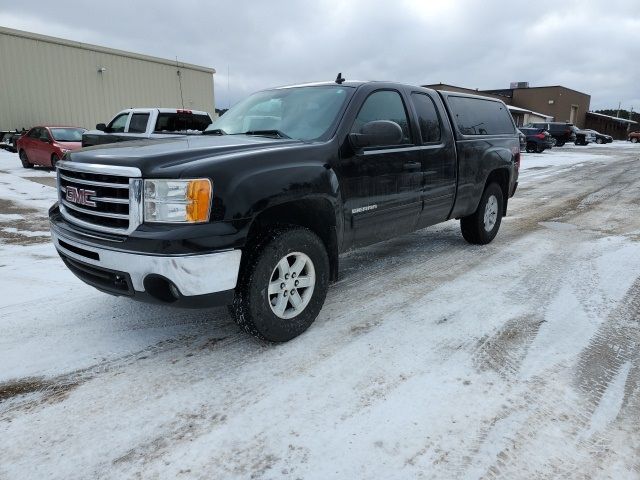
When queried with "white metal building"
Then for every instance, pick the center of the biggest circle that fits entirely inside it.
(47, 80)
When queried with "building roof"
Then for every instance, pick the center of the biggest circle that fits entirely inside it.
(536, 88)
(97, 48)
(617, 119)
(525, 110)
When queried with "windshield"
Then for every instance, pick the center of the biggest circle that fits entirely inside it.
(304, 113)
(67, 134)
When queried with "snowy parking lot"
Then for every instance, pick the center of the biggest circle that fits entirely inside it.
(431, 358)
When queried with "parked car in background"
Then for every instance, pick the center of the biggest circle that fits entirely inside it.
(6, 141)
(136, 123)
(47, 145)
(562, 132)
(600, 137)
(584, 137)
(634, 137)
(537, 139)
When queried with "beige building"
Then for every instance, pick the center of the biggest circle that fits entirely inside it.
(47, 80)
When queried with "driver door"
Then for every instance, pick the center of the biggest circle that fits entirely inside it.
(41, 145)
(381, 184)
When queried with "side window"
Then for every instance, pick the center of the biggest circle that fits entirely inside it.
(34, 133)
(176, 122)
(428, 119)
(138, 123)
(118, 123)
(383, 105)
(477, 116)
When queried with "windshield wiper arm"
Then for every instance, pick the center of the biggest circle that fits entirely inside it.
(266, 133)
(217, 131)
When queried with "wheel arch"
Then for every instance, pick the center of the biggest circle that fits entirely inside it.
(501, 177)
(316, 213)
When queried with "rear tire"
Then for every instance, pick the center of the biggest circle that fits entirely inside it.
(24, 159)
(264, 304)
(531, 147)
(482, 226)
(599, 141)
(634, 140)
(559, 144)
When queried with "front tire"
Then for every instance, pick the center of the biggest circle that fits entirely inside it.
(482, 226)
(599, 141)
(282, 284)
(24, 159)
(634, 140)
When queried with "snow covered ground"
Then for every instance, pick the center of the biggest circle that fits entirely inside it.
(432, 358)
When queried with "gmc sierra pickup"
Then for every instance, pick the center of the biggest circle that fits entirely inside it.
(255, 212)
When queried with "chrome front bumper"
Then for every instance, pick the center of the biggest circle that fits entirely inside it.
(191, 274)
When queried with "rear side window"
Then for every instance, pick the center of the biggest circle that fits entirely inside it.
(427, 117)
(138, 123)
(177, 122)
(384, 105)
(476, 116)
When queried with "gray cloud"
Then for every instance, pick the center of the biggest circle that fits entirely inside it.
(591, 46)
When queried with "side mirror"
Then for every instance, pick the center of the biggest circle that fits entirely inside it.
(102, 127)
(379, 133)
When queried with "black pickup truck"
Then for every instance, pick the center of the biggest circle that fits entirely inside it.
(255, 213)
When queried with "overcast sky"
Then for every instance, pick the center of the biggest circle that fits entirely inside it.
(591, 46)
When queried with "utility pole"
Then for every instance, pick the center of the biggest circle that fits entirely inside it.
(619, 105)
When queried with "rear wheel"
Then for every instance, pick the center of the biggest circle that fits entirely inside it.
(634, 140)
(599, 141)
(24, 159)
(531, 147)
(482, 226)
(282, 284)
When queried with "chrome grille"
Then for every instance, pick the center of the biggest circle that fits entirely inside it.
(100, 197)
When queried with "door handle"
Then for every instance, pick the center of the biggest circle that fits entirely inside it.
(412, 166)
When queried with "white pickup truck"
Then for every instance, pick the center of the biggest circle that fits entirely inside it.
(134, 123)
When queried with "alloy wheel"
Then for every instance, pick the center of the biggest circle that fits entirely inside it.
(490, 213)
(291, 285)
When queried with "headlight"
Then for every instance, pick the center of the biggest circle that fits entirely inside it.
(177, 201)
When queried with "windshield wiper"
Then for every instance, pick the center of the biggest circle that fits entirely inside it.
(217, 131)
(266, 133)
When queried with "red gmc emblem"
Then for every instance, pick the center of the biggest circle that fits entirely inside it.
(80, 196)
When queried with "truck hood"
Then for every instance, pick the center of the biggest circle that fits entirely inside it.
(166, 157)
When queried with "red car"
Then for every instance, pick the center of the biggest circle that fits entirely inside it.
(46, 145)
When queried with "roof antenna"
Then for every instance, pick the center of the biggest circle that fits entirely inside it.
(339, 79)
